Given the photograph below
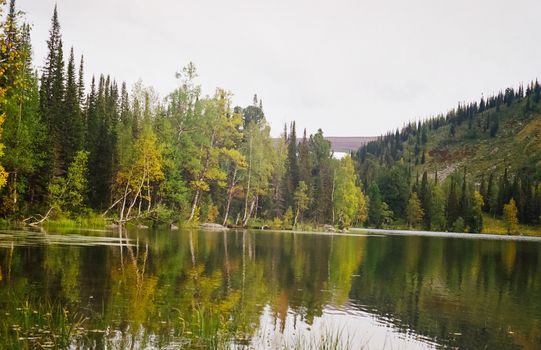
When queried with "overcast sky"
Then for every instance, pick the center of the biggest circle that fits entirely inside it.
(352, 68)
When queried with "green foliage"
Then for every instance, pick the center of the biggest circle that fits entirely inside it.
(3, 173)
(323, 175)
(458, 225)
(437, 219)
(477, 212)
(496, 139)
(395, 188)
(68, 194)
(375, 206)
(414, 211)
(133, 155)
(347, 196)
(510, 216)
(255, 161)
(301, 200)
(292, 165)
(276, 223)
(287, 221)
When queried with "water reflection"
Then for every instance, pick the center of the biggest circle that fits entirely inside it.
(262, 289)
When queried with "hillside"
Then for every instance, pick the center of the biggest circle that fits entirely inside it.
(492, 149)
(516, 145)
(487, 141)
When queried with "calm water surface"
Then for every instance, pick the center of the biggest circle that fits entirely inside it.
(244, 289)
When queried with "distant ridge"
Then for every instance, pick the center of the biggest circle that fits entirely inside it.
(348, 144)
(345, 144)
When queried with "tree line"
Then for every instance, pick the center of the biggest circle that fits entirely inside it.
(72, 149)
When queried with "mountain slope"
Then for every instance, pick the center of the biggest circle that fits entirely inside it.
(507, 135)
(490, 150)
(516, 145)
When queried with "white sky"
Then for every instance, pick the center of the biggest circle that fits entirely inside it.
(353, 68)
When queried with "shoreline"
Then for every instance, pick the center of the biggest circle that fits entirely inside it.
(484, 236)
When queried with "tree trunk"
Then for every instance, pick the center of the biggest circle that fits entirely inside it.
(332, 195)
(135, 199)
(14, 189)
(227, 206)
(201, 177)
(245, 218)
(124, 202)
(149, 196)
(194, 205)
(230, 196)
(16, 160)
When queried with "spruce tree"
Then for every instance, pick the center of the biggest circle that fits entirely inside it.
(56, 113)
(72, 125)
(375, 206)
(292, 166)
(305, 164)
(464, 198)
(81, 83)
(323, 173)
(425, 197)
(124, 106)
(46, 86)
(452, 204)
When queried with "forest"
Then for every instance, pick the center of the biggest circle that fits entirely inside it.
(74, 147)
(72, 150)
(453, 171)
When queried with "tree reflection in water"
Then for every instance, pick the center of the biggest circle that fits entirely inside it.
(209, 289)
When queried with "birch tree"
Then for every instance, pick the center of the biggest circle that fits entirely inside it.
(138, 182)
(217, 130)
(259, 153)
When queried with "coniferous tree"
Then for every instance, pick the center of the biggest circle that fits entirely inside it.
(49, 68)
(495, 126)
(305, 164)
(375, 206)
(82, 102)
(452, 208)
(72, 126)
(483, 190)
(323, 174)
(425, 197)
(465, 204)
(81, 83)
(491, 202)
(292, 167)
(395, 189)
(51, 97)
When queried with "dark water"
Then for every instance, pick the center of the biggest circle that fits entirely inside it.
(161, 289)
